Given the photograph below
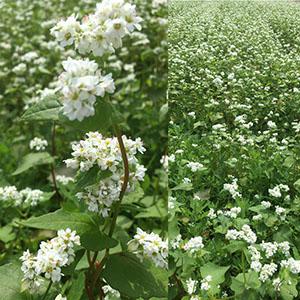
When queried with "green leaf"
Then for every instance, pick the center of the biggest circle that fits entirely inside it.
(87, 178)
(156, 211)
(6, 234)
(10, 278)
(297, 184)
(97, 241)
(61, 219)
(125, 273)
(183, 187)
(216, 272)
(33, 159)
(251, 282)
(77, 288)
(45, 110)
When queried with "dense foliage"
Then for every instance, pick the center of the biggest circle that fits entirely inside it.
(101, 247)
(234, 94)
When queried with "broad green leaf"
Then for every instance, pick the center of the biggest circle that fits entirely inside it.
(32, 160)
(251, 282)
(61, 219)
(10, 278)
(125, 273)
(216, 272)
(155, 211)
(183, 187)
(6, 234)
(77, 287)
(87, 178)
(97, 241)
(45, 110)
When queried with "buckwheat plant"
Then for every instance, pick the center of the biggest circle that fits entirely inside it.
(97, 189)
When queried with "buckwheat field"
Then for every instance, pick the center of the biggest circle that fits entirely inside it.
(83, 143)
(234, 98)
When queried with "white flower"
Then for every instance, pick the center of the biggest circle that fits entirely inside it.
(292, 264)
(191, 286)
(151, 246)
(194, 244)
(266, 204)
(50, 258)
(267, 271)
(269, 248)
(194, 166)
(277, 284)
(38, 144)
(64, 179)
(80, 84)
(232, 188)
(66, 31)
(280, 211)
(275, 192)
(245, 234)
(205, 286)
(192, 114)
(101, 32)
(25, 197)
(105, 154)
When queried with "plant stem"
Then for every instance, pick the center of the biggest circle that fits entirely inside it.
(48, 289)
(100, 266)
(53, 153)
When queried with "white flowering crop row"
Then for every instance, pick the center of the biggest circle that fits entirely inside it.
(234, 96)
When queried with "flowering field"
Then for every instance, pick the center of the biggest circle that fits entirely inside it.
(234, 98)
(83, 184)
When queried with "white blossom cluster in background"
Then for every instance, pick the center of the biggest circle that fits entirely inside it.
(101, 32)
(64, 180)
(38, 144)
(192, 284)
(232, 188)
(105, 154)
(266, 259)
(278, 189)
(245, 234)
(80, 84)
(194, 244)
(50, 258)
(194, 166)
(230, 213)
(25, 197)
(150, 245)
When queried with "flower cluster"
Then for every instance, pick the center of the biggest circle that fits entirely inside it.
(194, 244)
(266, 258)
(50, 258)
(110, 293)
(194, 166)
(278, 189)
(64, 180)
(105, 154)
(80, 84)
(25, 197)
(38, 144)
(230, 213)
(232, 188)
(245, 234)
(150, 246)
(101, 32)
